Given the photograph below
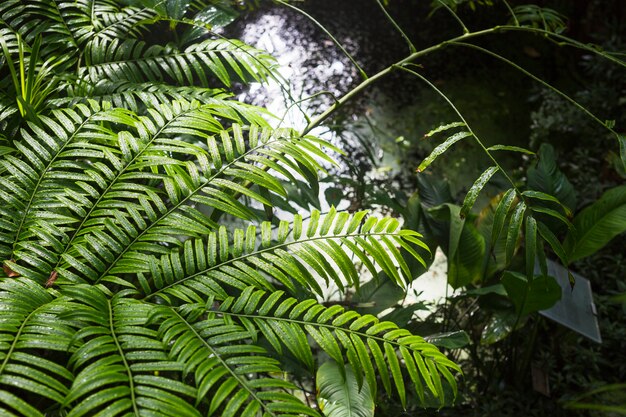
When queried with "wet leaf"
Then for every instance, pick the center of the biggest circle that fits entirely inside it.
(472, 194)
(440, 149)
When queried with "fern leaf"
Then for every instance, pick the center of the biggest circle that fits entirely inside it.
(30, 327)
(135, 228)
(281, 261)
(288, 321)
(138, 97)
(131, 60)
(119, 362)
(33, 227)
(220, 361)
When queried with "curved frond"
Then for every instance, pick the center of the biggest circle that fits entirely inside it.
(30, 18)
(325, 251)
(33, 348)
(121, 365)
(104, 19)
(139, 97)
(33, 18)
(200, 63)
(373, 349)
(232, 376)
(143, 209)
(35, 217)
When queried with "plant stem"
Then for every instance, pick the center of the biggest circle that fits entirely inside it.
(412, 47)
(480, 143)
(366, 83)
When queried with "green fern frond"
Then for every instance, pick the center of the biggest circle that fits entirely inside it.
(28, 18)
(7, 108)
(121, 365)
(33, 224)
(130, 217)
(131, 60)
(11, 42)
(53, 197)
(113, 195)
(91, 19)
(139, 97)
(218, 358)
(290, 256)
(34, 347)
(287, 322)
(374, 349)
(32, 18)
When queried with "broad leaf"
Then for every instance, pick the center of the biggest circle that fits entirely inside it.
(440, 149)
(531, 296)
(472, 194)
(450, 340)
(339, 394)
(597, 224)
(464, 248)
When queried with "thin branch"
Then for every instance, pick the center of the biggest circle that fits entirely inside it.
(456, 16)
(562, 41)
(366, 83)
(456, 110)
(508, 6)
(542, 82)
(398, 28)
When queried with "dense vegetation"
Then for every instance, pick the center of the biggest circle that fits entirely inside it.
(162, 250)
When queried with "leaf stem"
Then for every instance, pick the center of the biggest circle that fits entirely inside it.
(456, 110)
(366, 83)
(412, 48)
(456, 16)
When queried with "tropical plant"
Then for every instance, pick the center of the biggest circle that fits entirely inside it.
(147, 272)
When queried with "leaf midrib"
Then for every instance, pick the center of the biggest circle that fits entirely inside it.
(265, 250)
(114, 182)
(223, 363)
(177, 206)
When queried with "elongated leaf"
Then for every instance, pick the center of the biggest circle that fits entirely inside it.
(443, 128)
(597, 224)
(500, 215)
(553, 213)
(472, 194)
(530, 245)
(546, 197)
(554, 243)
(440, 149)
(339, 395)
(515, 226)
(622, 150)
(510, 148)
